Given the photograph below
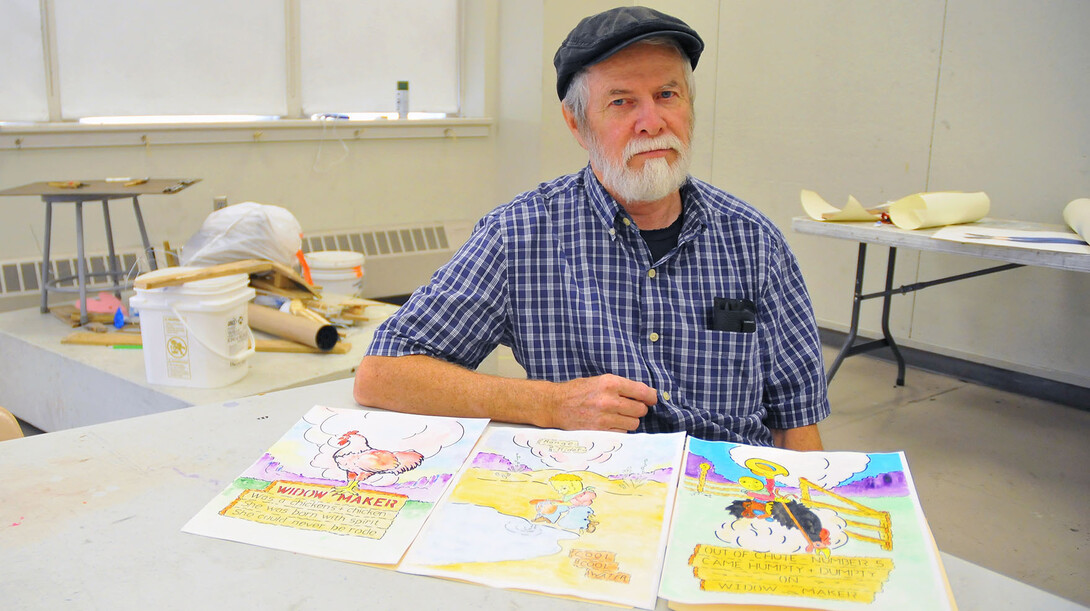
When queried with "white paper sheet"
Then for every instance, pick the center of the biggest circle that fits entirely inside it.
(1057, 241)
(569, 513)
(300, 496)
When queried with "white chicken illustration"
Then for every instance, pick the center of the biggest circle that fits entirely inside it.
(361, 462)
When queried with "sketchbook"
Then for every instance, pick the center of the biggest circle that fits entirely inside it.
(572, 513)
(353, 485)
(813, 530)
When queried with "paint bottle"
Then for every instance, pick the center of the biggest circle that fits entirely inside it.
(403, 99)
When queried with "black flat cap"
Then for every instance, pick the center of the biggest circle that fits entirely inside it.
(600, 36)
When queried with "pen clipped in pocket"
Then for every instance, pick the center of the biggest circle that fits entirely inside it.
(735, 315)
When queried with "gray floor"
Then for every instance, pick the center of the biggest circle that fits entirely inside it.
(1003, 478)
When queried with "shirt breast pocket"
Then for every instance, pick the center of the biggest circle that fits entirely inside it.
(727, 368)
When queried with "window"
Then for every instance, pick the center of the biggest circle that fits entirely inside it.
(286, 58)
(22, 64)
(353, 54)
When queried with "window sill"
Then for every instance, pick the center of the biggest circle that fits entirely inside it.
(75, 135)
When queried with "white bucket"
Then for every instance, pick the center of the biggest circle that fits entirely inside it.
(337, 271)
(195, 334)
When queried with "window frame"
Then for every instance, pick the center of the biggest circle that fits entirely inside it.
(470, 122)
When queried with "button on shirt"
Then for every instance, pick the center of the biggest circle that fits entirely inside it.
(561, 275)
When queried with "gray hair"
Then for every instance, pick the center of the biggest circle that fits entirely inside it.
(578, 96)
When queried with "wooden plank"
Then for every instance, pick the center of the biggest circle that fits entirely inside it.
(92, 189)
(264, 286)
(281, 272)
(70, 314)
(181, 276)
(272, 273)
(86, 338)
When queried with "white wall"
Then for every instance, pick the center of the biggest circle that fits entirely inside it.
(885, 99)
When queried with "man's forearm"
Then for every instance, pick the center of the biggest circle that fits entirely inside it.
(425, 385)
(421, 384)
(801, 439)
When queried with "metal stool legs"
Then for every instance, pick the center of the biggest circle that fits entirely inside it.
(47, 271)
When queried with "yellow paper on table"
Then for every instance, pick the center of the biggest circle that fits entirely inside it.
(1077, 217)
(941, 208)
(820, 210)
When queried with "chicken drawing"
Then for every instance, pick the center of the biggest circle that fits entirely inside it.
(361, 462)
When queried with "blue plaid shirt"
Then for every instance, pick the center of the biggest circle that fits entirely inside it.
(563, 277)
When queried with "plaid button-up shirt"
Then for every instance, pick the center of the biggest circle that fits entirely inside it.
(563, 277)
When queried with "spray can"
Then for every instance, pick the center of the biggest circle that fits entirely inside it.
(403, 99)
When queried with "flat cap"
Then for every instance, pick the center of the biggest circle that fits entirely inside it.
(600, 36)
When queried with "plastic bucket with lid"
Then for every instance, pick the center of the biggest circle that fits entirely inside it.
(195, 334)
(337, 271)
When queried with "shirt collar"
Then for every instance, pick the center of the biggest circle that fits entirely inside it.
(601, 202)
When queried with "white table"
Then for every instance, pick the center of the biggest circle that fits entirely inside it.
(58, 386)
(921, 239)
(91, 518)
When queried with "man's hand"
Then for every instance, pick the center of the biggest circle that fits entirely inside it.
(602, 403)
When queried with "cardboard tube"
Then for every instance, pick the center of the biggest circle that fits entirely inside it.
(295, 328)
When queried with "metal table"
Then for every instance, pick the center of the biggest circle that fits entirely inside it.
(921, 239)
(81, 191)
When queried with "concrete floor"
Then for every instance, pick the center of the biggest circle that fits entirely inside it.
(1003, 479)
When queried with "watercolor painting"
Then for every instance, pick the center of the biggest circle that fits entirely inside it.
(349, 484)
(816, 530)
(573, 513)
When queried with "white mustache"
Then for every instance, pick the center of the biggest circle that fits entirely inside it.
(664, 141)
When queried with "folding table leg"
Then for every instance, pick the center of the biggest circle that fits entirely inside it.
(144, 234)
(115, 267)
(47, 270)
(857, 301)
(885, 317)
(81, 265)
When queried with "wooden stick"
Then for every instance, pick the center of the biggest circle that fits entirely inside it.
(87, 338)
(247, 266)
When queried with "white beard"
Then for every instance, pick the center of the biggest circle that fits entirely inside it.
(657, 179)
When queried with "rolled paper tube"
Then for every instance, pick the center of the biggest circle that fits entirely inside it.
(296, 328)
(924, 210)
(1077, 217)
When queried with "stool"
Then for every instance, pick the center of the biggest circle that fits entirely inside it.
(114, 276)
(78, 193)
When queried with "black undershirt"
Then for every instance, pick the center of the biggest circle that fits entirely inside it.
(662, 241)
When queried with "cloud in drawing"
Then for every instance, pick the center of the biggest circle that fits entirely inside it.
(814, 466)
(566, 454)
(761, 535)
(384, 430)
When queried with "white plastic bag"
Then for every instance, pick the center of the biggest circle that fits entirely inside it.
(244, 231)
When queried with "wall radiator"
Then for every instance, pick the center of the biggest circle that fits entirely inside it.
(398, 259)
